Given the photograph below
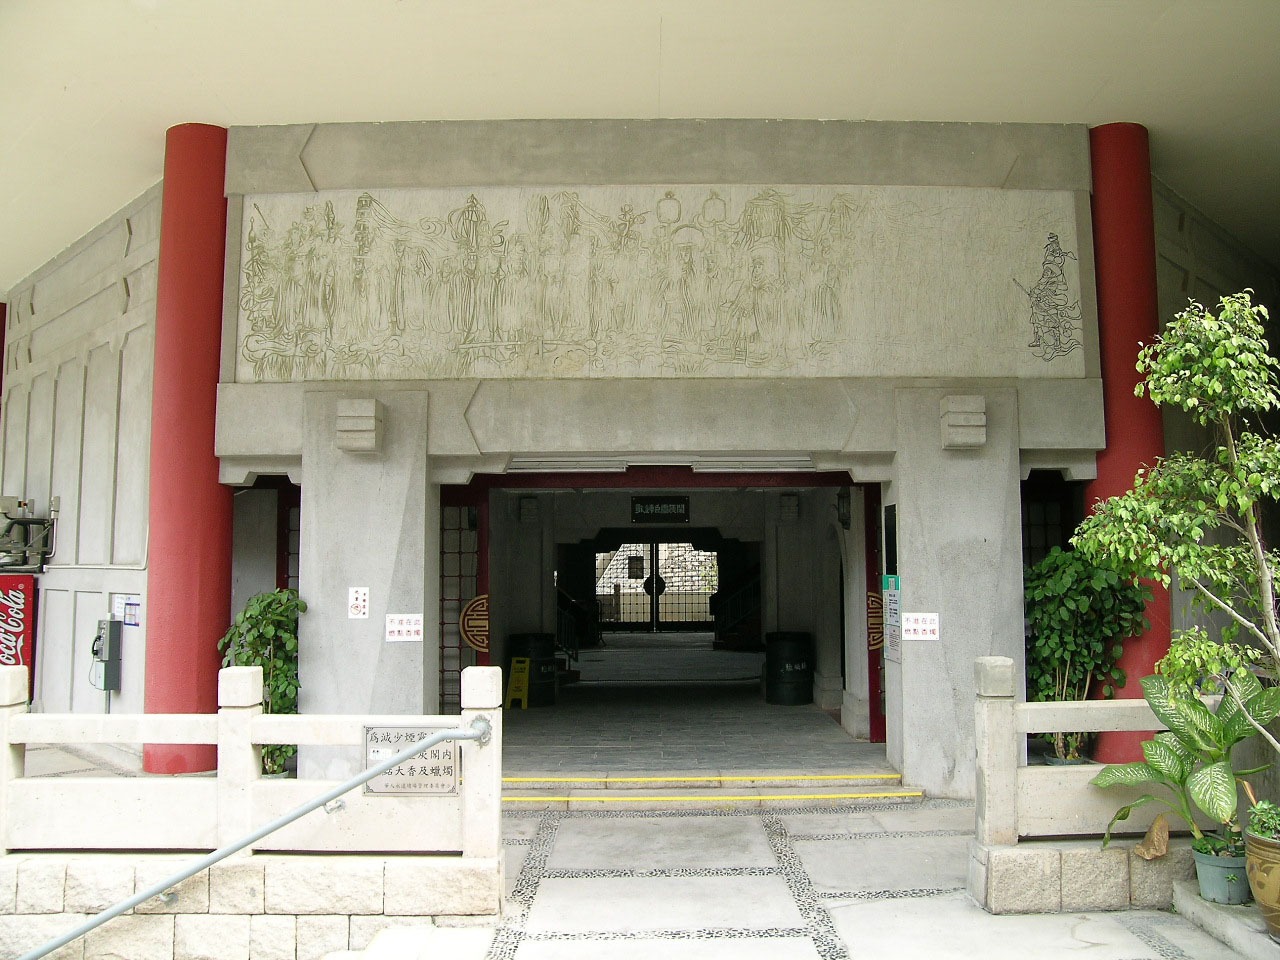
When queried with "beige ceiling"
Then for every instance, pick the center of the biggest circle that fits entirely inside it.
(88, 87)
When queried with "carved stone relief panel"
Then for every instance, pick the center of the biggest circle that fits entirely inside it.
(687, 281)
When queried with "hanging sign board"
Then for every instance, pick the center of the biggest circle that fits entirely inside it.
(433, 772)
(659, 509)
(892, 618)
(473, 624)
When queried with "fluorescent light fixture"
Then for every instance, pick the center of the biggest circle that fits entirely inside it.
(753, 465)
(589, 465)
(742, 464)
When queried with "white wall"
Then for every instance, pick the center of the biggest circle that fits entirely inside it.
(79, 346)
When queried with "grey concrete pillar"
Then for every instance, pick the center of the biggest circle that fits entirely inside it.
(959, 556)
(370, 518)
(828, 684)
(855, 709)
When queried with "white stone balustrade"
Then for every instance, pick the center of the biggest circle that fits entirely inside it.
(1017, 802)
(204, 812)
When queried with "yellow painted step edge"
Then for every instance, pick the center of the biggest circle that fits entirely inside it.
(716, 798)
(761, 779)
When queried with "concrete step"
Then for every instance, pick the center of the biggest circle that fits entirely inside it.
(717, 791)
(1239, 927)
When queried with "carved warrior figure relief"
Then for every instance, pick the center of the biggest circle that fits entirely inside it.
(1055, 318)
(595, 281)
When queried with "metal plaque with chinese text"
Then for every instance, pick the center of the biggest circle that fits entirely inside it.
(433, 772)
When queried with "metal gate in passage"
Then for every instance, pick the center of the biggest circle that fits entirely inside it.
(656, 586)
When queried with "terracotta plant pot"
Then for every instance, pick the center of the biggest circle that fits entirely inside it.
(1262, 865)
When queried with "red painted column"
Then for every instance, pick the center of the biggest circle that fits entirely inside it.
(189, 552)
(1125, 261)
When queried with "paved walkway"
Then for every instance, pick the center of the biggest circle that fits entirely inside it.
(696, 728)
(872, 881)
(668, 703)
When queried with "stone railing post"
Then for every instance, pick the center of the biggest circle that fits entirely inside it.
(239, 759)
(482, 764)
(997, 742)
(13, 756)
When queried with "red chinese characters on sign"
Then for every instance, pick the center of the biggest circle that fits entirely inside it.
(17, 619)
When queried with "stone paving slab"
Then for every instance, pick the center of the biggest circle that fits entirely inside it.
(513, 862)
(889, 863)
(642, 904)
(519, 828)
(870, 881)
(689, 842)
(953, 927)
(773, 948)
(938, 815)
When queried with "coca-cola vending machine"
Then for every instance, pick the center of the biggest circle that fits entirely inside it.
(18, 623)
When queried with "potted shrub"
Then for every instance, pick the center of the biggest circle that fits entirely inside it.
(1262, 860)
(265, 634)
(1191, 761)
(1078, 612)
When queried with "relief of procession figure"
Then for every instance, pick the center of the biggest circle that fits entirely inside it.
(680, 285)
(1055, 318)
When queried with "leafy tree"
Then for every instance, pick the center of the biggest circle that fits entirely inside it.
(1197, 517)
(1078, 613)
(265, 634)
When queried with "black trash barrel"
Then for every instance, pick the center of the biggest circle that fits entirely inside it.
(540, 648)
(788, 668)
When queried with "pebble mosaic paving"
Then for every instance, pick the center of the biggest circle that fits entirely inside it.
(821, 883)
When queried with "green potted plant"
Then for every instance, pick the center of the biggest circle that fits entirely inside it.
(265, 634)
(1262, 860)
(1078, 612)
(1192, 762)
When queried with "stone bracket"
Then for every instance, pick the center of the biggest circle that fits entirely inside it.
(964, 422)
(359, 426)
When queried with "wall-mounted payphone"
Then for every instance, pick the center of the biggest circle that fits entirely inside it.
(105, 671)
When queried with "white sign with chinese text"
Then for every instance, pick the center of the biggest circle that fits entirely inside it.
(357, 603)
(404, 627)
(919, 626)
(433, 772)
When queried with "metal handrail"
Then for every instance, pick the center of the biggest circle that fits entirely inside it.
(480, 730)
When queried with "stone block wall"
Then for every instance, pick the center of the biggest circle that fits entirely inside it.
(269, 907)
(1069, 876)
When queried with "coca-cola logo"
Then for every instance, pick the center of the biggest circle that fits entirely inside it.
(13, 626)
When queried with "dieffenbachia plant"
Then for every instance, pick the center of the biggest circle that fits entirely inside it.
(1192, 759)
